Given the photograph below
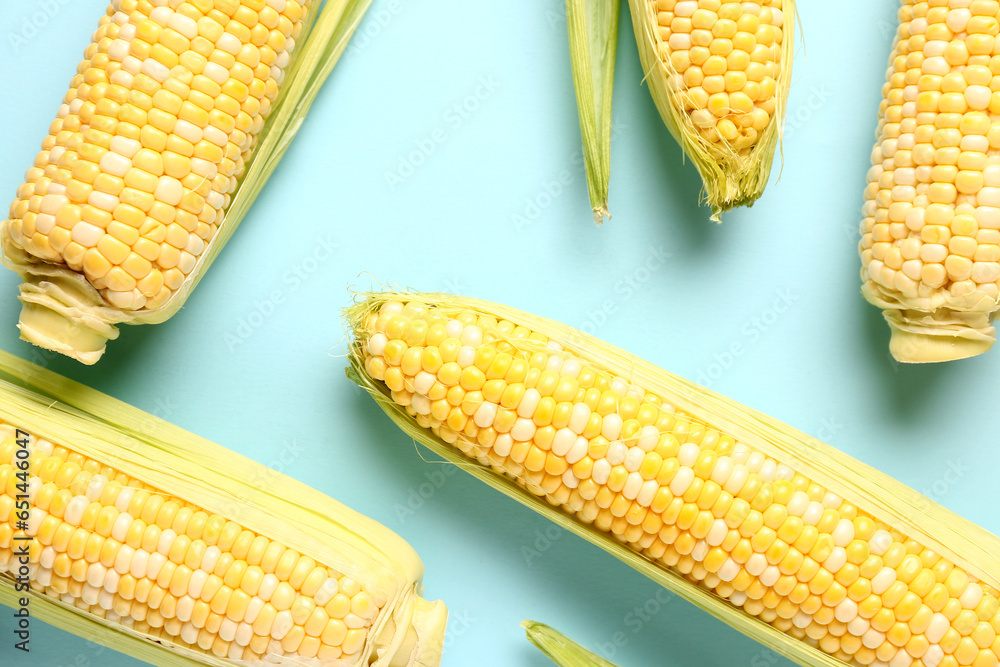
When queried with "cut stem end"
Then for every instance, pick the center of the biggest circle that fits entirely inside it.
(60, 332)
(928, 331)
(910, 347)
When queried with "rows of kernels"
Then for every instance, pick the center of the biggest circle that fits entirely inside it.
(139, 166)
(932, 204)
(750, 528)
(167, 568)
(727, 59)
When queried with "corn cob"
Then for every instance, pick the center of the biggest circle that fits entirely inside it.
(772, 531)
(127, 202)
(142, 537)
(719, 72)
(930, 245)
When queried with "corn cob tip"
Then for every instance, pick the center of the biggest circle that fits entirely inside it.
(911, 347)
(60, 331)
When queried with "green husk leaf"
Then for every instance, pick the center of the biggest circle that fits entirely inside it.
(561, 649)
(593, 42)
(730, 180)
(219, 481)
(971, 547)
(64, 312)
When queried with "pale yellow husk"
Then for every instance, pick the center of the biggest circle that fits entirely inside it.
(561, 649)
(965, 544)
(63, 312)
(730, 180)
(409, 631)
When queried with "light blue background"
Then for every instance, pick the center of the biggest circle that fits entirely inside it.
(281, 398)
